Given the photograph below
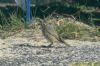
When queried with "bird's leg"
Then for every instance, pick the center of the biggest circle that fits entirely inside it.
(50, 45)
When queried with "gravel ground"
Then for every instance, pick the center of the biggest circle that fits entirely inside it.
(15, 51)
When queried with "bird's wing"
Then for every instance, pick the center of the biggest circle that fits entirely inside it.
(52, 31)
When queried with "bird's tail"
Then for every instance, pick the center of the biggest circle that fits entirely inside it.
(66, 43)
(62, 41)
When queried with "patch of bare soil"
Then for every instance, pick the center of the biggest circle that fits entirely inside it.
(26, 50)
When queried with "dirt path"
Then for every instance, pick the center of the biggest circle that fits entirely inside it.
(21, 51)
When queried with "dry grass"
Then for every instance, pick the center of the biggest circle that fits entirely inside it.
(72, 29)
(66, 27)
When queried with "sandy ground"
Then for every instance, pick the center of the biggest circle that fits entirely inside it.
(27, 51)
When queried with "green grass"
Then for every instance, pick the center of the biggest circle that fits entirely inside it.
(16, 22)
(13, 22)
(69, 30)
(9, 25)
(81, 31)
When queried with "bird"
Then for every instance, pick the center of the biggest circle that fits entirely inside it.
(50, 33)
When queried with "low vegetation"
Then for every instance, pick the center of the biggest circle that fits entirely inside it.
(85, 26)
